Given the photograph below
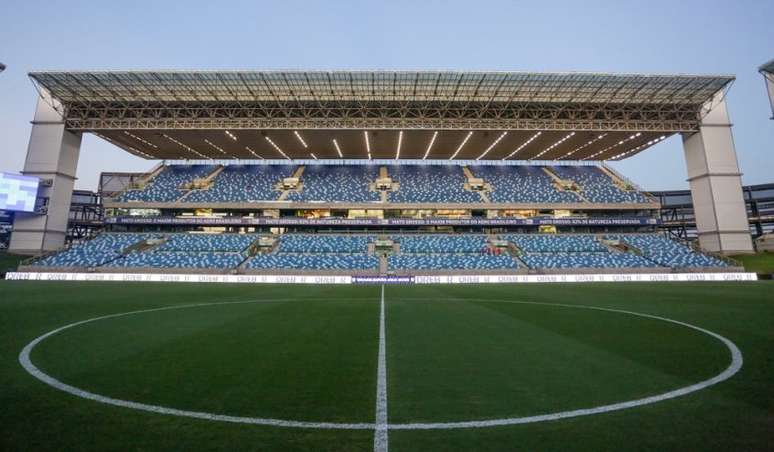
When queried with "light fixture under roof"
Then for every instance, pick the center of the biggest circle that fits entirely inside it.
(523, 145)
(185, 146)
(313, 156)
(368, 144)
(231, 135)
(583, 146)
(633, 150)
(459, 148)
(140, 139)
(553, 146)
(491, 146)
(338, 149)
(253, 152)
(625, 140)
(298, 135)
(274, 145)
(218, 148)
(131, 148)
(430, 146)
(400, 143)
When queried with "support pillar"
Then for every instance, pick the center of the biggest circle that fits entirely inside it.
(716, 186)
(52, 154)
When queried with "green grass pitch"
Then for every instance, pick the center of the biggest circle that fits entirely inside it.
(454, 353)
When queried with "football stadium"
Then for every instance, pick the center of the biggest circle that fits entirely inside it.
(402, 260)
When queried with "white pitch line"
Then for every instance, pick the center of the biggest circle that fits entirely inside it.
(381, 441)
(26, 362)
(381, 426)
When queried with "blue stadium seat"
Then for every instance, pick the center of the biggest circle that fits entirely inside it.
(323, 243)
(555, 243)
(95, 252)
(571, 251)
(431, 183)
(314, 261)
(447, 261)
(208, 242)
(596, 186)
(337, 183)
(440, 243)
(179, 259)
(585, 260)
(318, 252)
(446, 251)
(244, 183)
(666, 252)
(166, 186)
(521, 184)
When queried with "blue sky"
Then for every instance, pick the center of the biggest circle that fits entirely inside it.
(705, 37)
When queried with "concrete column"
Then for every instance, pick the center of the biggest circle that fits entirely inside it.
(770, 89)
(52, 154)
(716, 187)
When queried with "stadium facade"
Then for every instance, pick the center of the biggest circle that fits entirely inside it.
(497, 155)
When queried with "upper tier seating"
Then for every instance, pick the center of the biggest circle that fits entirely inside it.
(244, 183)
(521, 184)
(597, 186)
(667, 253)
(165, 187)
(440, 243)
(432, 183)
(337, 184)
(417, 184)
(97, 251)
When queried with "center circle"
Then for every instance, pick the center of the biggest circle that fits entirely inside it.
(29, 366)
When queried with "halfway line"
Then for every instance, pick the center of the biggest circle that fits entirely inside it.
(380, 435)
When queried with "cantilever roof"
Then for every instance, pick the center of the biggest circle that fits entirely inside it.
(421, 86)
(768, 67)
(406, 114)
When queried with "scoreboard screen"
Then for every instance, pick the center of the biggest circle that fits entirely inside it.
(18, 192)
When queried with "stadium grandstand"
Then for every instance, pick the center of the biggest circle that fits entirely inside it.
(381, 173)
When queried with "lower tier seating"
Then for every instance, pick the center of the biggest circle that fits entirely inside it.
(95, 252)
(314, 261)
(586, 260)
(324, 243)
(468, 261)
(178, 259)
(351, 252)
(549, 243)
(440, 243)
(667, 253)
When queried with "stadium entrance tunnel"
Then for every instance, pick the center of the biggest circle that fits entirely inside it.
(312, 363)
